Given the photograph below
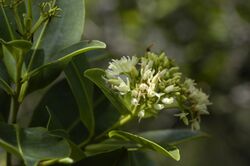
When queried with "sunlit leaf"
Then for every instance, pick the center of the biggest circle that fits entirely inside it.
(52, 69)
(172, 137)
(169, 151)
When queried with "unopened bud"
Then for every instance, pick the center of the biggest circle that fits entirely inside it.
(158, 106)
(167, 100)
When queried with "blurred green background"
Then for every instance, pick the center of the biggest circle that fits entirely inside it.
(210, 40)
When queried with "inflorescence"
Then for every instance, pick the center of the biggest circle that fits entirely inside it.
(152, 83)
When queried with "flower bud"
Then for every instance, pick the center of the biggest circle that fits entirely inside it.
(134, 101)
(167, 100)
(158, 106)
(143, 87)
(134, 93)
(169, 89)
(66, 160)
(141, 114)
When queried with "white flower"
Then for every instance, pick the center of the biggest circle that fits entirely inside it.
(151, 83)
(134, 101)
(151, 90)
(123, 87)
(158, 106)
(159, 95)
(195, 125)
(168, 100)
(143, 87)
(141, 114)
(199, 98)
(124, 65)
(148, 74)
(134, 93)
(169, 89)
(183, 117)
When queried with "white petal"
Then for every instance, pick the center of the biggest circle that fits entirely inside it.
(167, 100)
(158, 106)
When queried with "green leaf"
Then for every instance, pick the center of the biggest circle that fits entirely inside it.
(33, 144)
(60, 101)
(21, 44)
(37, 145)
(55, 66)
(5, 87)
(66, 54)
(63, 108)
(10, 63)
(82, 90)
(60, 32)
(37, 61)
(11, 52)
(109, 145)
(114, 158)
(7, 24)
(4, 80)
(76, 153)
(172, 137)
(96, 76)
(169, 151)
(8, 138)
(105, 113)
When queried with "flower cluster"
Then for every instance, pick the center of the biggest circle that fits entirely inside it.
(197, 103)
(152, 83)
(49, 9)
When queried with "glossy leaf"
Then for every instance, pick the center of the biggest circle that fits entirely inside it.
(9, 62)
(61, 31)
(105, 113)
(7, 24)
(169, 151)
(63, 57)
(76, 153)
(82, 90)
(33, 144)
(5, 86)
(8, 138)
(96, 76)
(38, 145)
(109, 145)
(4, 80)
(21, 44)
(63, 108)
(172, 137)
(67, 53)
